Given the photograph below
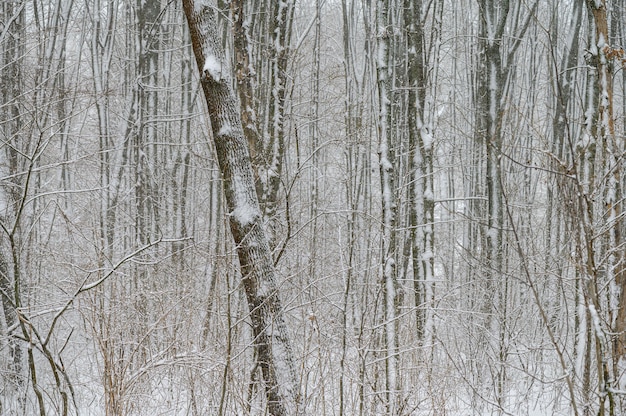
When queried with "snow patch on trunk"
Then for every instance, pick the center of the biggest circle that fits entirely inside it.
(199, 5)
(213, 68)
(427, 139)
(246, 210)
(595, 320)
(428, 195)
(225, 130)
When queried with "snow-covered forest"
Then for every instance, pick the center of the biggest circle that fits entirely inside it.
(312, 207)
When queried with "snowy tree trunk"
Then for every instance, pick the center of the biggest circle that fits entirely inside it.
(245, 77)
(609, 154)
(422, 61)
(495, 60)
(489, 91)
(416, 97)
(358, 199)
(275, 150)
(618, 37)
(101, 50)
(271, 339)
(11, 54)
(384, 65)
(144, 140)
(261, 45)
(488, 131)
(559, 191)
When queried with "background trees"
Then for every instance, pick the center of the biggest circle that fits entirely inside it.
(441, 184)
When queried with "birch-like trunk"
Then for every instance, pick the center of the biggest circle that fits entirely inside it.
(275, 355)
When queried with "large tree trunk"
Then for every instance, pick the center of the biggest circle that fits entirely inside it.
(270, 334)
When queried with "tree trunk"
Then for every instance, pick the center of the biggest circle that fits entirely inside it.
(384, 70)
(609, 159)
(11, 81)
(259, 281)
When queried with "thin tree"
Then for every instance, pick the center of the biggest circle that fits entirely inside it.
(386, 152)
(11, 124)
(496, 54)
(422, 60)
